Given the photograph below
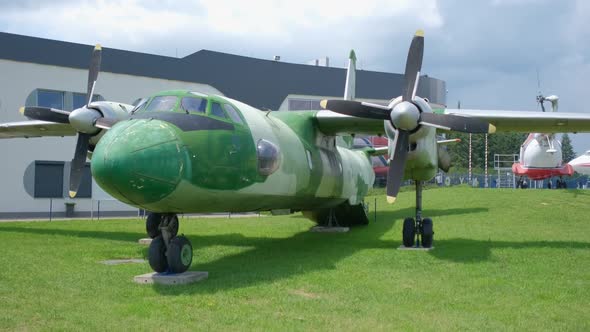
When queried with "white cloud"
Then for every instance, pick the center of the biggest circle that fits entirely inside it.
(487, 51)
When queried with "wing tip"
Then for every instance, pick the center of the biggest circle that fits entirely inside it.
(491, 129)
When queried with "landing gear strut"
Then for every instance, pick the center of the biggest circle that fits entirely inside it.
(418, 230)
(168, 252)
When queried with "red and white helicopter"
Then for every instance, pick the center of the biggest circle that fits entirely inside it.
(540, 154)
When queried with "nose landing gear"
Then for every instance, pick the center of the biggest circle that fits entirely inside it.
(416, 230)
(168, 252)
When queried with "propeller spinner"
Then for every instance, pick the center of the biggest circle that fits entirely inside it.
(406, 116)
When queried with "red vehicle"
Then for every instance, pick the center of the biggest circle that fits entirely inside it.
(379, 162)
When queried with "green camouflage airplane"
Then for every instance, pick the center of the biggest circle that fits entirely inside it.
(187, 152)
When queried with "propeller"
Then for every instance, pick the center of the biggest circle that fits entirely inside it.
(79, 118)
(405, 115)
(87, 121)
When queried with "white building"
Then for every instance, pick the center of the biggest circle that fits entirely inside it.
(35, 71)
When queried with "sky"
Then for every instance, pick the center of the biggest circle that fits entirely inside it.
(488, 52)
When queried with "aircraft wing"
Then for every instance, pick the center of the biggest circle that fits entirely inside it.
(35, 128)
(332, 123)
(525, 122)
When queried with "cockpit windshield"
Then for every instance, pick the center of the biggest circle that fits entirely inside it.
(193, 104)
(162, 104)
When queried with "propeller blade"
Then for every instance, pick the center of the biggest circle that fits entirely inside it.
(78, 163)
(93, 73)
(457, 123)
(45, 114)
(358, 109)
(413, 66)
(395, 173)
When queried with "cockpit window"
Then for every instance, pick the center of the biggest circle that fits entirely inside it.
(193, 104)
(217, 110)
(139, 104)
(162, 104)
(233, 114)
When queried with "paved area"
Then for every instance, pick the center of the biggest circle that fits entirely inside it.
(402, 247)
(186, 216)
(146, 241)
(188, 277)
(123, 261)
(325, 229)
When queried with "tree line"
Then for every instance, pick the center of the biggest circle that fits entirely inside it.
(498, 143)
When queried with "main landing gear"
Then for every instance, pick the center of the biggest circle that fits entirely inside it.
(168, 251)
(416, 230)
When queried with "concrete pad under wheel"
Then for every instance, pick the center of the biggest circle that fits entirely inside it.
(123, 261)
(146, 240)
(402, 247)
(184, 278)
(326, 229)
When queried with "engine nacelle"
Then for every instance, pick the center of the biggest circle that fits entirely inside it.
(112, 111)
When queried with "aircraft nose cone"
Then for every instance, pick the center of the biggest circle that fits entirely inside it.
(139, 161)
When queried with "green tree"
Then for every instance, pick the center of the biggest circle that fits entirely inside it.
(567, 148)
(499, 143)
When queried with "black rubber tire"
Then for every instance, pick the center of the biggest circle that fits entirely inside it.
(173, 226)
(157, 255)
(180, 254)
(409, 232)
(152, 224)
(427, 233)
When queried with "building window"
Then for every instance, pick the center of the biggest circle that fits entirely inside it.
(79, 99)
(63, 100)
(49, 179)
(53, 99)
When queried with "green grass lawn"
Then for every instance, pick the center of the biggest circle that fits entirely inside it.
(503, 260)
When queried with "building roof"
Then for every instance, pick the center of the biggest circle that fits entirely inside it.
(260, 83)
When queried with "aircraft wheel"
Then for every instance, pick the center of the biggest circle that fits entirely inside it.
(173, 226)
(157, 255)
(152, 224)
(427, 233)
(180, 254)
(409, 232)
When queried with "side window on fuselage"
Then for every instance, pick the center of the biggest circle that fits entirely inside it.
(217, 110)
(193, 104)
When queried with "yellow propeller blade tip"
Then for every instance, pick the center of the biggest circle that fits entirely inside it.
(21, 110)
(72, 194)
(323, 103)
(98, 47)
(492, 129)
(391, 199)
(419, 33)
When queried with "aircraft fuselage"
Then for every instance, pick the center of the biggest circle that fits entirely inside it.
(183, 162)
